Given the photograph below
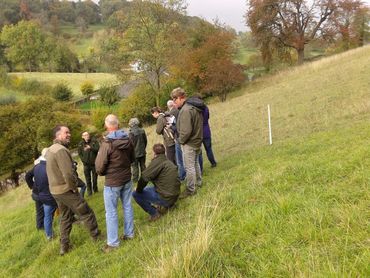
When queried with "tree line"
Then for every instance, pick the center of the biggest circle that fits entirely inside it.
(280, 26)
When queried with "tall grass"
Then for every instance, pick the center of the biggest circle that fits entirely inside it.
(298, 208)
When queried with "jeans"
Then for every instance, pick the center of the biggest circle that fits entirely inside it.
(48, 219)
(82, 191)
(111, 196)
(207, 143)
(148, 197)
(192, 167)
(180, 162)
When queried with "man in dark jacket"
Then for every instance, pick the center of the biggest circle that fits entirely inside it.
(138, 138)
(63, 184)
(163, 128)
(163, 174)
(190, 135)
(115, 156)
(37, 178)
(87, 150)
(172, 110)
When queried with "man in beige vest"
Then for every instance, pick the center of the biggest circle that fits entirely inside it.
(63, 186)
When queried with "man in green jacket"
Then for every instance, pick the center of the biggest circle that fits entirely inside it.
(63, 186)
(163, 174)
(87, 150)
(190, 136)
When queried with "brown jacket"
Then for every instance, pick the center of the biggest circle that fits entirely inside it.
(59, 168)
(114, 159)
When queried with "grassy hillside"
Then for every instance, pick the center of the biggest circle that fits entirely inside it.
(74, 80)
(297, 208)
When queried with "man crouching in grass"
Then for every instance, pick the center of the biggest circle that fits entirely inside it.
(164, 175)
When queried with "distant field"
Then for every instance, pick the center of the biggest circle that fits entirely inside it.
(74, 80)
(81, 43)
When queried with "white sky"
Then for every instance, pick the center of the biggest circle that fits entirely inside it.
(230, 12)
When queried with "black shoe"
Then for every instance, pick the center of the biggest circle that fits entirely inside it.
(126, 237)
(155, 217)
(186, 194)
(213, 165)
(64, 249)
(98, 236)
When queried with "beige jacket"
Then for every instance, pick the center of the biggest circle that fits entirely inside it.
(59, 168)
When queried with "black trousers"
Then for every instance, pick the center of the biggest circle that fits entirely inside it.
(171, 153)
(138, 166)
(39, 215)
(90, 173)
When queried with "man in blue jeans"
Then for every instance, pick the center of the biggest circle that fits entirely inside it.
(113, 161)
(163, 174)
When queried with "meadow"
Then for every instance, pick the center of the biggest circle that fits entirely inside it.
(298, 208)
(73, 80)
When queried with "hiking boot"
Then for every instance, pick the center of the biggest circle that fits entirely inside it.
(124, 237)
(64, 249)
(98, 236)
(155, 217)
(107, 248)
(186, 194)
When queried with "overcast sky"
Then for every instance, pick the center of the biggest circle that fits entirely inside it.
(227, 11)
(230, 12)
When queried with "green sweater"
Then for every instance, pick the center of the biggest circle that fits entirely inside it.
(163, 174)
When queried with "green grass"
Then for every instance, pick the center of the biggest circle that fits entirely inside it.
(74, 80)
(298, 208)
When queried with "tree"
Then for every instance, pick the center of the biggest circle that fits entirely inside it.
(24, 44)
(108, 95)
(62, 92)
(26, 129)
(349, 20)
(152, 41)
(208, 68)
(288, 23)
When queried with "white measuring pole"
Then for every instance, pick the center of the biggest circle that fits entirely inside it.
(269, 116)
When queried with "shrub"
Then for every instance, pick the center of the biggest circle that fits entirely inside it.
(62, 92)
(6, 100)
(108, 95)
(87, 88)
(138, 105)
(29, 86)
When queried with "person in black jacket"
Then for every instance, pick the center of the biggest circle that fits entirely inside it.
(137, 136)
(37, 180)
(87, 150)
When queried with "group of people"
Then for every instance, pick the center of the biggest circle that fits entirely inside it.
(121, 157)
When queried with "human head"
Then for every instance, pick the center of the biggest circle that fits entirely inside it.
(86, 136)
(155, 111)
(133, 122)
(178, 96)
(158, 149)
(62, 134)
(111, 122)
(170, 104)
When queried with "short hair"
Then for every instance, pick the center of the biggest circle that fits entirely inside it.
(133, 122)
(159, 149)
(111, 120)
(170, 104)
(178, 92)
(85, 133)
(155, 109)
(56, 129)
